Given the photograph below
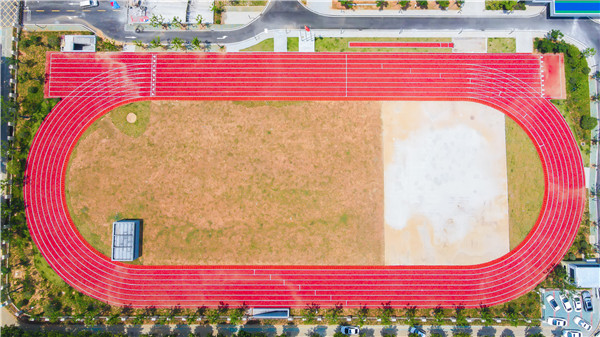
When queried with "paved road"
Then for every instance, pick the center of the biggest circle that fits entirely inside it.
(291, 14)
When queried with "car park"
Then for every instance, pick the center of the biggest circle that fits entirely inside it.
(415, 330)
(550, 299)
(577, 303)
(582, 323)
(587, 301)
(571, 333)
(556, 321)
(565, 302)
(350, 330)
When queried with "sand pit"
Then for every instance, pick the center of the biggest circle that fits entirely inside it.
(446, 200)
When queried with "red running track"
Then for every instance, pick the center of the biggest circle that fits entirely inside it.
(400, 44)
(92, 84)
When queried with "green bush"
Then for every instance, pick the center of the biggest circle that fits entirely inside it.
(53, 42)
(33, 90)
(443, 4)
(588, 122)
(423, 4)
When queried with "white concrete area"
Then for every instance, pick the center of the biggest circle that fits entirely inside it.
(445, 183)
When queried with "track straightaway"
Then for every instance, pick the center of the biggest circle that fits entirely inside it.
(92, 84)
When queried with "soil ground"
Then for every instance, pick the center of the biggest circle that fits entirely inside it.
(236, 183)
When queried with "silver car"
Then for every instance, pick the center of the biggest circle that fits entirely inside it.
(579, 321)
(556, 321)
(587, 301)
(350, 330)
(571, 333)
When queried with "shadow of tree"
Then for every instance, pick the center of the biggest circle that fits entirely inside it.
(486, 331)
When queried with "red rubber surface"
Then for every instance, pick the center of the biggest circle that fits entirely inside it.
(400, 44)
(92, 84)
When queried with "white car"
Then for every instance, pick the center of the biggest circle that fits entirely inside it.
(577, 303)
(556, 321)
(550, 299)
(571, 333)
(579, 321)
(350, 330)
(565, 302)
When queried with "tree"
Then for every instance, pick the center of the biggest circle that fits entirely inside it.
(113, 319)
(404, 3)
(178, 43)
(438, 316)
(235, 317)
(362, 314)
(333, 314)
(555, 35)
(461, 320)
(155, 43)
(588, 52)
(199, 22)
(140, 44)
(460, 3)
(595, 97)
(310, 313)
(176, 22)
(596, 75)
(348, 4)
(381, 4)
(486, 316)
(385, 313)
(513, 317)
(588, 122)
(213, 316)
(156, 20)
(423, 4)
(443, 4)
(196, 44)
(411, 313)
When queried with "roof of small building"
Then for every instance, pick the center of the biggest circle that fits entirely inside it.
(79, 43)
(124, 240)
(587, 275)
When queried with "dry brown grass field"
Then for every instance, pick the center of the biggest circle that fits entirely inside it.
(279, 183)
(235, 183)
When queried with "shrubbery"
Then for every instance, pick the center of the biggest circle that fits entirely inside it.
(588, 122)
(506, 5)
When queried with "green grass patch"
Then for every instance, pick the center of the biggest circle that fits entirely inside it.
(340, 44)
(141, 109)
(265, 45)
(505, 5)
(525, 182)
(573, 122)
(292, 44)
(46, 271)
(501, 45)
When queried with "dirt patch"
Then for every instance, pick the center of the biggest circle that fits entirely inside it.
(446, 199)
(226, 183)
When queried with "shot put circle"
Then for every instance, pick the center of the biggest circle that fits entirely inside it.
(131, 117)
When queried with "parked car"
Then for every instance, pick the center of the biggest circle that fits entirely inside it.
(571, 333)
(556, 321)
(350, 330)
(565, 302)
(550, 299)
(579, 321)
(587, 301)
(417, 331)
(88, 3)
(577, 303)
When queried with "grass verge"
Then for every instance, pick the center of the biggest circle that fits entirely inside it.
(501, 45)
(292, 44)
(340, 44)
(266, 45)
(525, 182)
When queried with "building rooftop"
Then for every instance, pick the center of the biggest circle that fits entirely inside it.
(585, 275)
(79, 43)
(125, 245)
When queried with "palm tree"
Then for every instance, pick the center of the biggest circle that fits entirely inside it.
(140, 44)
(381, 4)
(199, 21)
(178, 43)
(176, 22)
(196, 43)
(155, 43)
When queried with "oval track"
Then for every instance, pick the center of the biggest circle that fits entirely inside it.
(92, 84)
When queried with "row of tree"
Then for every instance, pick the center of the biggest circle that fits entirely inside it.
(423, 4)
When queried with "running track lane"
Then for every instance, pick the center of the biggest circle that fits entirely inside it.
(400, 44)
(92, 84)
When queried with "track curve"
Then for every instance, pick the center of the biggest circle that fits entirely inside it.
(92, 84)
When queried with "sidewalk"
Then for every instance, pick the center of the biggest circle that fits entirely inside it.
(471, 8)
